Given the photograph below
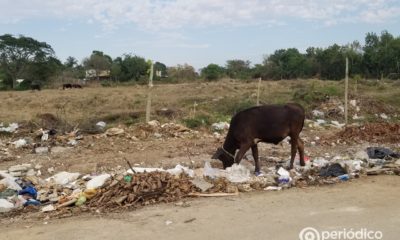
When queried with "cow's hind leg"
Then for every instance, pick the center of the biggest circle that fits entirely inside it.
(300, 148)
(254, 150)
(293, 142)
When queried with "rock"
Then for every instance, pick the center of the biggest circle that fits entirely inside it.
(48, 208)
(202, 184)
(58, 149)
(41, 150)
(20, 168)
(50, 170)
(31, 172)
(157, 135)
(154, 123)
(383, 116)
(317, 113)
(114, 131)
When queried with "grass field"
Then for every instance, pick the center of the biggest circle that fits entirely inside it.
(214, 100)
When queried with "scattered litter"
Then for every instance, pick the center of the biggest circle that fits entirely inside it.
(273, 188)
(237, 173)
(97, 181)
(333, 170)
(189, 220)
(101, 125)
(381, 153)
(317, 113)
(48, 208)
(168, 222)
(5, 206)
(383, 116)
(344, 177)
(20, 143)
(12, 127)
(220, 126)
(63, 178)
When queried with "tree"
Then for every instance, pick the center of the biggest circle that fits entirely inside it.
(212, 72)
(287, 63)
(18, 53)
(70, 63)
(128, 68)
(238, 69)
(181, 72)
(99, 62)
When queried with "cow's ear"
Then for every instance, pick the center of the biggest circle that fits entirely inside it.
(217, 154)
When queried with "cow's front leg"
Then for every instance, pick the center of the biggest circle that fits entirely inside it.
(254, 150)
(242, 150)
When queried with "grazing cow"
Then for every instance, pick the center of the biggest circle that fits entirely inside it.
(67, 86)
(267, 123)
(76, 85)
(35, 86)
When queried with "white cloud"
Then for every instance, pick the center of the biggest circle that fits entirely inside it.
(176, 14)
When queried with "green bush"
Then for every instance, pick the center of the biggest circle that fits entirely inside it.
(197, 121)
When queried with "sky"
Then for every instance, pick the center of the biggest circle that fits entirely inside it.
(196, 32)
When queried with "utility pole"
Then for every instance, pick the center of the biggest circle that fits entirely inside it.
(258, 91)
(148, 107)
(346, 91)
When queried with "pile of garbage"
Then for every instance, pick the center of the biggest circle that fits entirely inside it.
(372, 132)
(157, 130)
(141, 189)
(20, 186)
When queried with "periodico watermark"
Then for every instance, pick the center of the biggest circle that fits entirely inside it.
(310, 233)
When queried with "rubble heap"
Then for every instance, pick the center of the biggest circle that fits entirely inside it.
(140, 189)
(372, 132)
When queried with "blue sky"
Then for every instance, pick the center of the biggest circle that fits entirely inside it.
(195, 32)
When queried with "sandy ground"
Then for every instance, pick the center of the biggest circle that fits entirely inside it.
(370, 202)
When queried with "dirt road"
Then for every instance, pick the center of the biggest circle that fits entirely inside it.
(371, 202)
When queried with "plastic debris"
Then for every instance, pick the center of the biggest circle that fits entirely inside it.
(12, 127)
(101, 125)
(333, 170)
(20, 143)
(48, 208)
(181, 169)
(220, 126)
(238, 173)
(273, 188)
(5, 205)
(317, 113)
(97, 181)
(41, 150)
(344, 177)
(63, 178)
(381, 153)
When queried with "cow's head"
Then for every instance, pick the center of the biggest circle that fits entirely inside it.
(226, 158)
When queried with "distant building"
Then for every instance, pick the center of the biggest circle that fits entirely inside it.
(91, 74)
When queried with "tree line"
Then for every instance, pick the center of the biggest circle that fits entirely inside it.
(25, 58)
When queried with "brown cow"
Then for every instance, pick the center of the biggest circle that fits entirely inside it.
(267, 123)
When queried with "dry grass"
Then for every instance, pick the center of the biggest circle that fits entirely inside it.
(79, 105)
